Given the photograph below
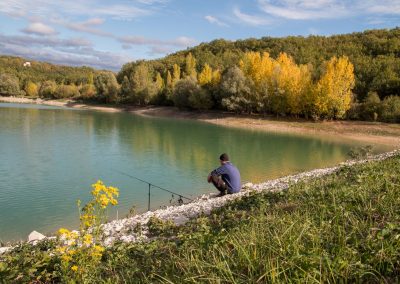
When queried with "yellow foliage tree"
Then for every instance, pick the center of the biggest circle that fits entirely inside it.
(159, 82)
(206, 75)
(291, 85)
(31, 89)
(332, 94)
(216, 77)
(176, 74)
(259, 69)
(169, 80)
(190, 67)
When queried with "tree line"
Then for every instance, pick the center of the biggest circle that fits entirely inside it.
(354, 76)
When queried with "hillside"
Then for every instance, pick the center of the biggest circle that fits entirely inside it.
(39, 72)
(374, 53)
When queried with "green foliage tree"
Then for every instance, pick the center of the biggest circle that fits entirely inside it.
(188, 94)
(9, 85)
(390, 109)
(48, 89)
(107, 87)
(143, 87)
(66, 91)
(235, 91)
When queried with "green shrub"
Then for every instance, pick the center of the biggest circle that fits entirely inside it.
(66, 91)
(391, 109)
(48, 89)
(9, 85)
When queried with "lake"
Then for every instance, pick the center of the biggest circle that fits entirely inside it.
(50, 156)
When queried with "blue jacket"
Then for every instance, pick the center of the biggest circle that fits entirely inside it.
(230, 175)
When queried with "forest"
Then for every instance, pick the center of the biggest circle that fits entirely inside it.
(351, 76)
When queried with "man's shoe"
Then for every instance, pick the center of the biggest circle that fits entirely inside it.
(221, 194)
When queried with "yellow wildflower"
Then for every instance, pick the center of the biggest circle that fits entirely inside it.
(87, 239)
(64, 231)
(74, 268)
(66, 258)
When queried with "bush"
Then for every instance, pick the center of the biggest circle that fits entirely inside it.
(87, 91)
(184, 89)
(48, 89)
(370, 109)
(107, 87)
(391, 109)
(9, 85)
(66, 91)
(31, 89)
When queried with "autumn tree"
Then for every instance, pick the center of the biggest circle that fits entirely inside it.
(291, 84)
(176, 74)
(31, 89)
(190, 66)
(332, 95)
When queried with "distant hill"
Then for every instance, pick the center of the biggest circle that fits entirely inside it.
(41, 71)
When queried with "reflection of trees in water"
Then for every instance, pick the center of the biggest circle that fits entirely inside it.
(188, 144)
(196, 145)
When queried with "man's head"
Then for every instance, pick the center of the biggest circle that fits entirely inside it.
(224, 158)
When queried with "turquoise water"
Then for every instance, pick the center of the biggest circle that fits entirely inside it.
(50, 157)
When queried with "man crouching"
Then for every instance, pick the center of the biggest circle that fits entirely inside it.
(226, 178)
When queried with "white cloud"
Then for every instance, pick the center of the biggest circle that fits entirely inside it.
(140, 40)
(90, 8)
(385, 7)
(250, 19)
(214, 20)
(39, 29)
(304, 9)
(327, 9)
(75, 51)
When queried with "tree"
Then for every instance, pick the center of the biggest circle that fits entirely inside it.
(176, 74)
(48, 89)
(333, 90)
(31, 89)
(188, 94)
(190, 66)
(126, 88)
(291, 84)
(9, 85)
(206, 75)
(143, 87)
(107, 87)
(235, 90)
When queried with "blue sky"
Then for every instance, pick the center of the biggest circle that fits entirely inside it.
(107, 34)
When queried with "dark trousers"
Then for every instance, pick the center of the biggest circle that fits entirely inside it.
(219, 184)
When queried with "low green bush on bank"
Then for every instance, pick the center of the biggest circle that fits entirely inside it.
(344, 227)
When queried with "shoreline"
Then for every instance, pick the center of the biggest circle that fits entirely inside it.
(124, 229)
(386, 134)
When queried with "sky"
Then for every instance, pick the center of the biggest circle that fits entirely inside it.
(107, 34)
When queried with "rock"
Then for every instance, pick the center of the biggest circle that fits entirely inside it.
(35, 236)
(4, 249)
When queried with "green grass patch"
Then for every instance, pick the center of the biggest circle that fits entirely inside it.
(344, 227)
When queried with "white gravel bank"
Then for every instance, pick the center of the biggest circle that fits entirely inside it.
(123, 230)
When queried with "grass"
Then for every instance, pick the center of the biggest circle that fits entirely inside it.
(344, 227)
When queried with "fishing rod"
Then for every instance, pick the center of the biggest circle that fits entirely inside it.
(180, 200)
